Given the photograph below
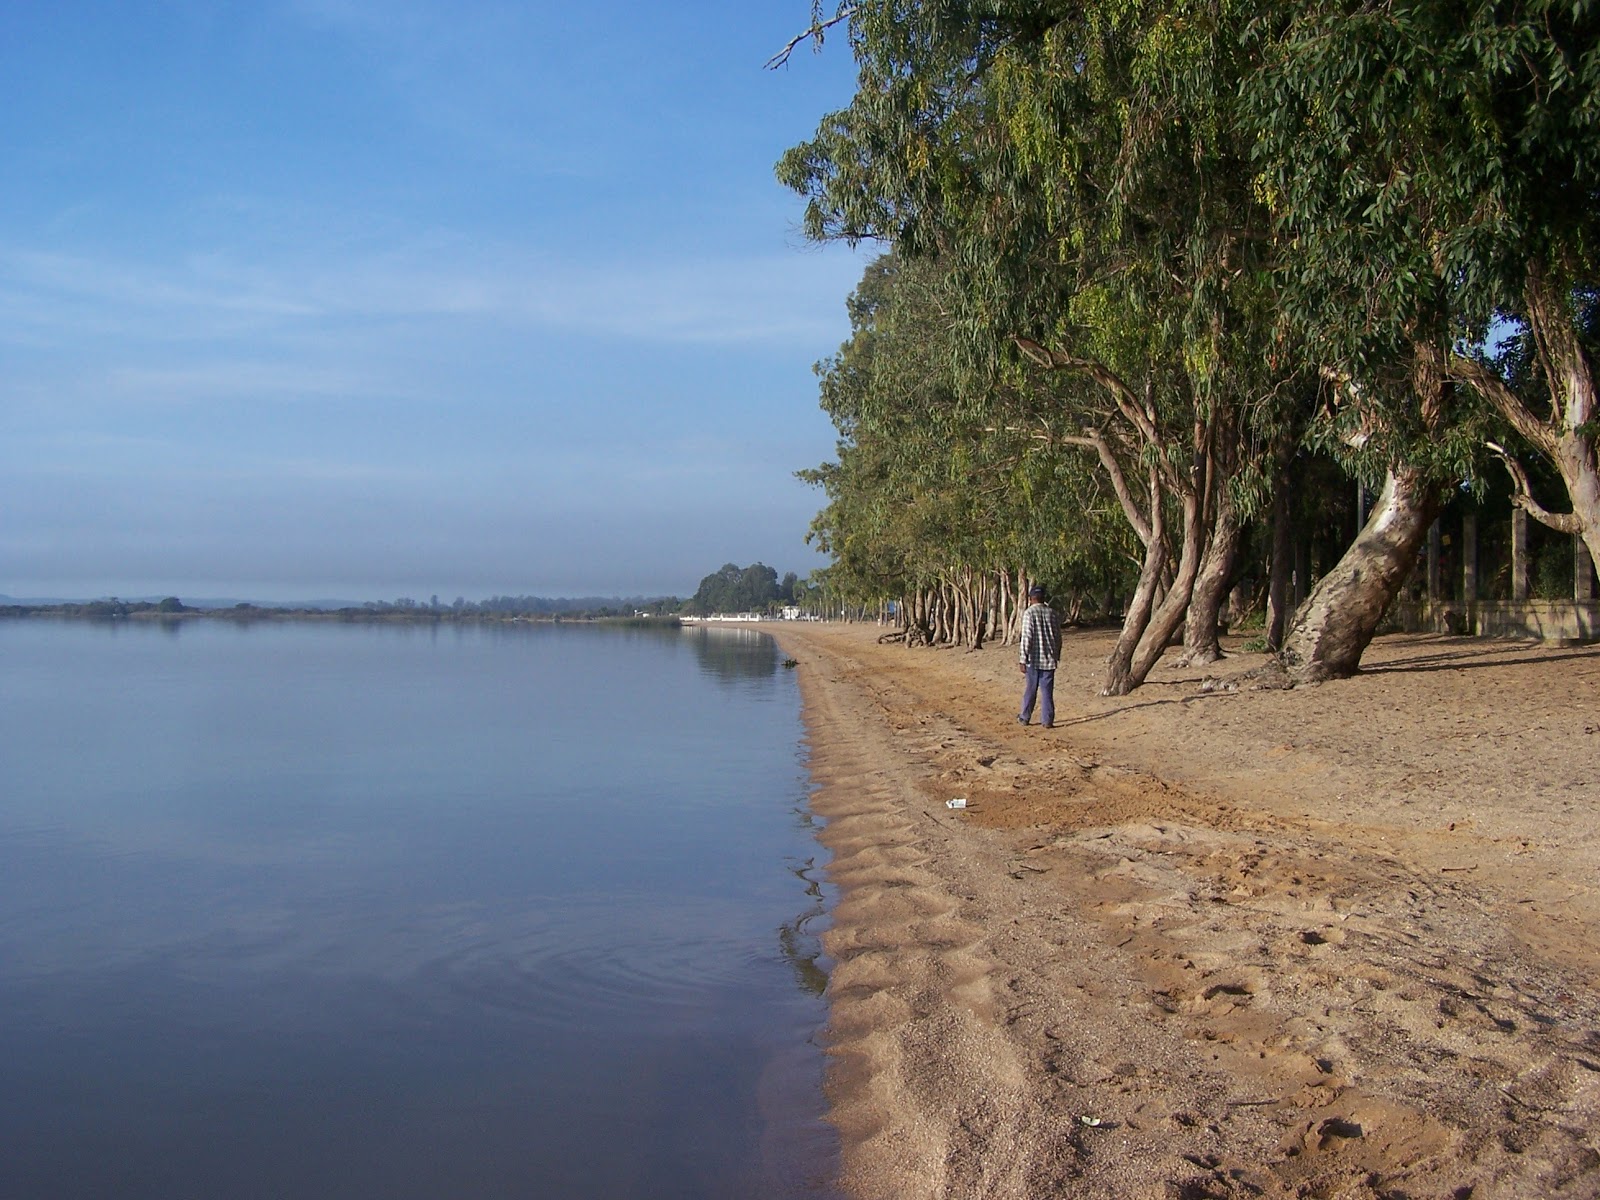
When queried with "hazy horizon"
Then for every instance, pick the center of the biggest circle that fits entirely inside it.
(282, 596)
(340, 298)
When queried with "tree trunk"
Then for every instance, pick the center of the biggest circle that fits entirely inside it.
(999, 603)
(1170, 612)
(1336, 623)
(978, 599)
(1119, 666)
(1279, 567)
(1576, 459)
(921, 633)
(1238, 604)
(1119, 680)
(1201, 492)
(1200, 626)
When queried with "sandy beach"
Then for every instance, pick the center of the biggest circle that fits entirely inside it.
(1337, 942)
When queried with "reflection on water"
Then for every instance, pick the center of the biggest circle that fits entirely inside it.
(732, 654)
(405, 911)
(800, 939)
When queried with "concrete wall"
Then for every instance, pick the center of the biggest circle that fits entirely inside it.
(1557, 621)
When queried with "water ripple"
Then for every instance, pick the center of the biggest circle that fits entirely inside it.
(581, 978)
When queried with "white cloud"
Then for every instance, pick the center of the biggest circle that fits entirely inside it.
(728, 300)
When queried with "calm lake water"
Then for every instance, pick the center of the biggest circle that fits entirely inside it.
(325, 910)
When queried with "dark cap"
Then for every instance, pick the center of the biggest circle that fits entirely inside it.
(1037, 590)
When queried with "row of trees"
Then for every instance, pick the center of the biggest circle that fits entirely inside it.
(1147, 256)
(559, 606)
(110, 607)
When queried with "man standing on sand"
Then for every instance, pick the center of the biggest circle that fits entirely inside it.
(1039, 650)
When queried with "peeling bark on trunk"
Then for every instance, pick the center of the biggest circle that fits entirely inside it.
(1576, 460)
(1119, 666)
(1168, 617)
(1338, 620)
(1149, 626)
(1200, 641)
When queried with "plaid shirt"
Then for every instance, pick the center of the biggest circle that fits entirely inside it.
(1040, 643)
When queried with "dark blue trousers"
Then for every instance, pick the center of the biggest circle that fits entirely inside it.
(1042, 684)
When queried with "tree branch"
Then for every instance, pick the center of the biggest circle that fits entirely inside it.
(781, 58)
(1522, 496)
(1127, 402)
(1567, 372)
(1096, 441)
(1494, 390)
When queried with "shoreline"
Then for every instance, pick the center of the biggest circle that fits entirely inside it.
(1337, 942)
(253, 614)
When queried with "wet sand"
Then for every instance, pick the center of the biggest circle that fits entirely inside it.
(1336, 942)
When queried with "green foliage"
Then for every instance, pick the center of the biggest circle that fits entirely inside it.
(734, 589)
(1552, 572)
(1067, 175)
(1423, 161)
(944, 469)
(1274, 226)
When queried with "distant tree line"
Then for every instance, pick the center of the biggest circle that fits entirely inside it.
(111, 607)
(495, 607)
(735, 589)
(532, 606)
(732, 589)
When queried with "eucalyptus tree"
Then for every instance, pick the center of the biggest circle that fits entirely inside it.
(1433, 167)
(733, 589)
(940, 495)
(1529, 75)
(1075, 167)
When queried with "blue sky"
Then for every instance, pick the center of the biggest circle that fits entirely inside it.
(341, 298)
